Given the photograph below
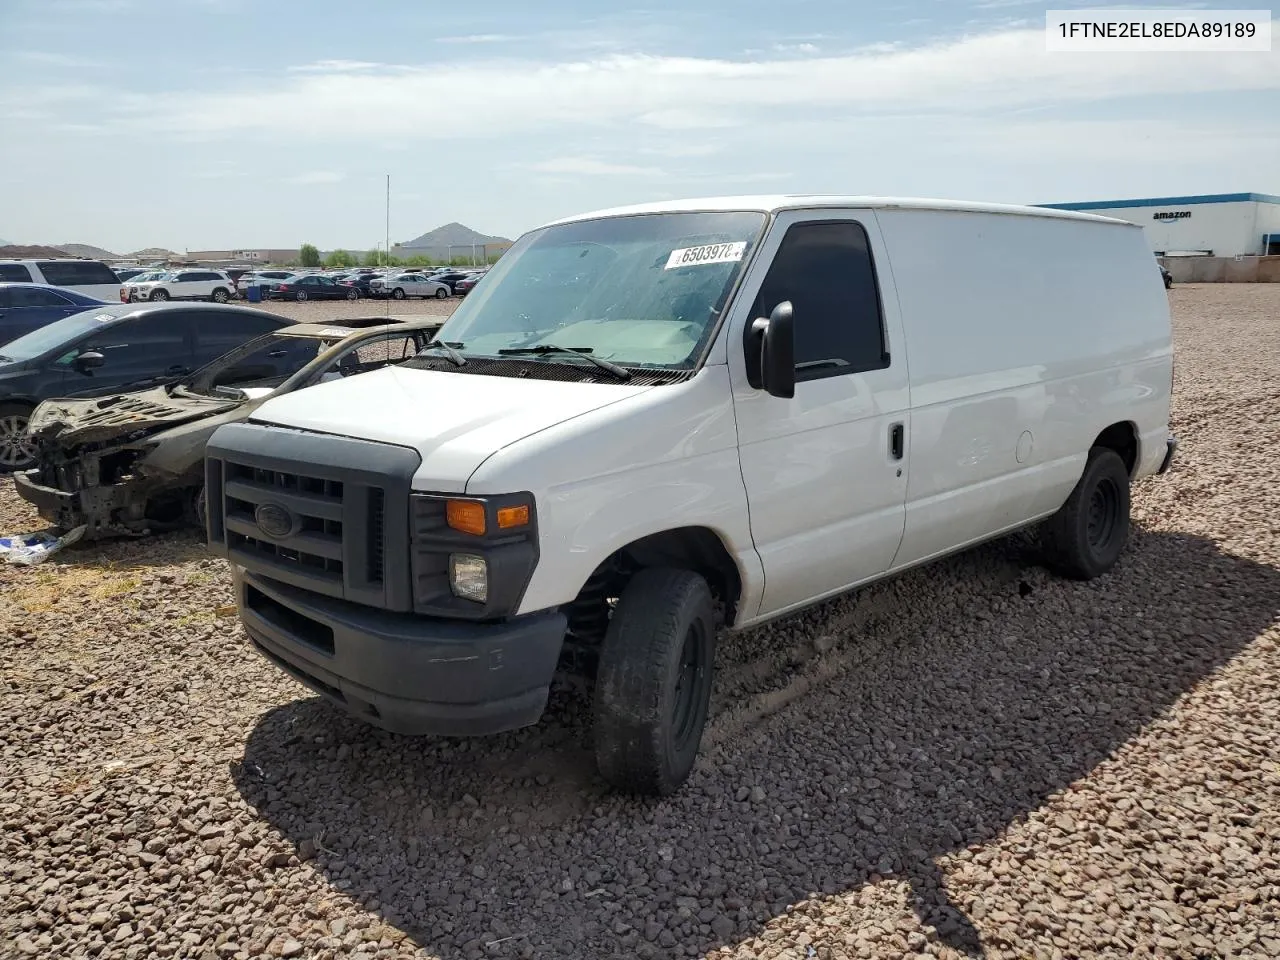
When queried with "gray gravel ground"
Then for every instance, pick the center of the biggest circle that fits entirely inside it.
(973, 759)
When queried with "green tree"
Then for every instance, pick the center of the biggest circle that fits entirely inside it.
(341, 258)
(309, 256)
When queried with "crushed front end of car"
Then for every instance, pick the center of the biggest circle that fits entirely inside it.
(116, 465)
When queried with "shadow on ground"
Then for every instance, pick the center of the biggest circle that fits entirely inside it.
(928, 737)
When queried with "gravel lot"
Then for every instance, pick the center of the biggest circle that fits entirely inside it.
(975, 759)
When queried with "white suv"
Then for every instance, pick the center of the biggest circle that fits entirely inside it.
(182, 285)
(93, 278)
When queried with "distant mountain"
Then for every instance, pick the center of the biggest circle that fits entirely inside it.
(23, 251)
(152, 253)
(450, 235)
(87, 250)
(5, 243)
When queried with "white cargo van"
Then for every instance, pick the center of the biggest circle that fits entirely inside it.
(93, 278)
(654, 422)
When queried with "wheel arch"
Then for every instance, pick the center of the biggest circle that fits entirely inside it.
(1122, 437)
(696, 548)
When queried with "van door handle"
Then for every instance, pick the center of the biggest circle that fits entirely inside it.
(897, 436)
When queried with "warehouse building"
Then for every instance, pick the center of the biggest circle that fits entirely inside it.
(1212, 224)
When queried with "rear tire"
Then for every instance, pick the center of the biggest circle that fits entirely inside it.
(15, 453)
(398, 293)
(300, 296)
(221, 296)
(1085, 538)
(653, 687)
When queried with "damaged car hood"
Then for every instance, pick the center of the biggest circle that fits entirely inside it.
(74, 422)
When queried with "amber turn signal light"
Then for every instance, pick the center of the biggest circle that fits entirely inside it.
(509, 517)
(466, 516)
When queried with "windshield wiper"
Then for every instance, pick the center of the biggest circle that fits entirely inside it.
(622, 373)
(457, 359)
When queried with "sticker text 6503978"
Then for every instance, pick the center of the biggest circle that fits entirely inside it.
(707, 253)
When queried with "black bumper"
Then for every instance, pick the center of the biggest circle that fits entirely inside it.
(1168, 455)
(403, 672)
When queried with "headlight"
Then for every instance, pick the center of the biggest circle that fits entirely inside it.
(471, 556)
(469, 576)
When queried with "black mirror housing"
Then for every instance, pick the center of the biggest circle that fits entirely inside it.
(771, 352)
(90, 359)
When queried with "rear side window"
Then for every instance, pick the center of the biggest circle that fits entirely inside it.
(14, 273)
(825, 270)
(35, 297)
(77, 273)
(218, 333)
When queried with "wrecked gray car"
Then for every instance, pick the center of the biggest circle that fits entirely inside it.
(133, 463)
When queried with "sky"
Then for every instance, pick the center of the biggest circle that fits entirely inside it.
(215, 124)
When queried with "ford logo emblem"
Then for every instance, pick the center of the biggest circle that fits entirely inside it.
(274, 520)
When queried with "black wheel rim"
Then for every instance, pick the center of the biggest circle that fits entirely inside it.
(1104, 514)
(689, 684)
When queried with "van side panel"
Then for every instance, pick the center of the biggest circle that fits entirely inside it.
(1027, 336)
(663, 459)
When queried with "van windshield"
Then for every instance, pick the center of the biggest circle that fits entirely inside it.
(643, 291)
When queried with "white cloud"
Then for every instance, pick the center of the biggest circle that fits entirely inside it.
(316, 176)
(997, 71)
(592, 167)
(479, 38)
(796, 47)
(336, 66)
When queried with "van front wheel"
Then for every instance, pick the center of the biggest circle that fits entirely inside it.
(1085, 537)
(653, 686)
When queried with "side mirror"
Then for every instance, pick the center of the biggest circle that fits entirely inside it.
(89, 360)
(772, 341)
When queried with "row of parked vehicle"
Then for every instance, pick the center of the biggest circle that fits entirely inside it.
(220, 286)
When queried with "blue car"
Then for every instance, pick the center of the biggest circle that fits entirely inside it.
(28, 306)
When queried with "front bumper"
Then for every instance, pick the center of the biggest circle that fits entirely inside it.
(118, 505)
(403, 672)
(1167, 462)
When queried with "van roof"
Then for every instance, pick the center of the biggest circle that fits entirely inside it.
(776, 203)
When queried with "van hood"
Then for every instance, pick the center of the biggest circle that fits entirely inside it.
(454, 420)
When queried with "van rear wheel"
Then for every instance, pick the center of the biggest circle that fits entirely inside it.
(653, 686)
(1085, 538)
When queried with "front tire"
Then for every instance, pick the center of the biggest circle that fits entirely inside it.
(1085, 538)
(442, 294)
(17, 452)
(653, 687)
(353, 294)
(159, 295)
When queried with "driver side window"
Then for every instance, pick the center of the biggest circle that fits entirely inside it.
(826, 271)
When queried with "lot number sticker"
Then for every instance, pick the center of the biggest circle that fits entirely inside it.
(708, 253)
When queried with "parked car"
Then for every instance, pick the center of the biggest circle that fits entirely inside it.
(152, 442)
(466, 284)
(124, 274)
(28, 306)
(360, 282)
(92, 278)
(111, 349)
(710, 415)
(181, 285)
(400, 286)
(450, 277)
(311, 288)
(261, 278)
